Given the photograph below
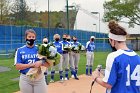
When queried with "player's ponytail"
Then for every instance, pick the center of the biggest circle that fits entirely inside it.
(116, 29)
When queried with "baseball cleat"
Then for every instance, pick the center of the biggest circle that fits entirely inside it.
(51, 81)
(90, 75)
(86, 74)
(47, 83)
(66, 78)
(76, 78)
(72, 76)
(61, 81)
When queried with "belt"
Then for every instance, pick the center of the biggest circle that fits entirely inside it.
(90, 51)
(76, 51)
(65, 52)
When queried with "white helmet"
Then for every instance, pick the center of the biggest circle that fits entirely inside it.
(92, 37)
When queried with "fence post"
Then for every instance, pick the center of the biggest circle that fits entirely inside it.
(137, 45)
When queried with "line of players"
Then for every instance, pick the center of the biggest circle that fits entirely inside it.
(70, 51)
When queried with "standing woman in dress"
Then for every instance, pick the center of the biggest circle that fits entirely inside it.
(26, 58)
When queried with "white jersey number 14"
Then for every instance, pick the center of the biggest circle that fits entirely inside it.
(134, 76)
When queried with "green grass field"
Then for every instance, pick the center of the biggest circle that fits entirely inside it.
(9, 86)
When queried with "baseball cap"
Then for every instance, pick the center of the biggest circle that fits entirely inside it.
(92, 37)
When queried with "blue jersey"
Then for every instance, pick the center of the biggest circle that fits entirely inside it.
(65, 44)
(59, 46)
(75, 44)
(90, 46)
(26, 55)
(123, 72)
(70, 43)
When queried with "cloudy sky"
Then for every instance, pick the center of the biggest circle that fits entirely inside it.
(56, 5)
(84, 21)
(42, 5)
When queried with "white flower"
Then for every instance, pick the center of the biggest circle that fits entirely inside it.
(83, 48)
(45, 45)
(76, 48)
(53, 51)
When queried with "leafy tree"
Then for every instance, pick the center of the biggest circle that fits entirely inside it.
(59, 25)
(44, 18)
(4, 9)
(55, 17)
(123, 9)
(20, 11)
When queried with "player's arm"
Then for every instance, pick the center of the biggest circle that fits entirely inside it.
(23, 66)
(47, 64)
(18, 61)
(99, 80)
(94, 46)
(20, 66)
(87, 45)
(102, 83)
(110, 78)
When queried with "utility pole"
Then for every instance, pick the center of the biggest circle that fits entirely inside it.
(1, 12)
(67, 6)
(99, 19)
(49, 19)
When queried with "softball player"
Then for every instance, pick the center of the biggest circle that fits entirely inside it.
(76, 47)
(45, 41)
(70, 54)
(72, 61)
(122, 73)
(90, 47)
(66, 47)
(25, 59)
(59, 47)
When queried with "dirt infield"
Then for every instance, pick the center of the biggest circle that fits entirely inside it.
(75, 86)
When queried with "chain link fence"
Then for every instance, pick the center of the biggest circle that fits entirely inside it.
(13, 37)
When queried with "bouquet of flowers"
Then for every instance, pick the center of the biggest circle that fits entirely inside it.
(46, 53)
(83, 48)
(67, 47)
(36, 73)
(76, 48)
(49, 53)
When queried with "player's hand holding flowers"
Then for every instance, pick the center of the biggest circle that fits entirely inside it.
(48, 56)
(67, 48)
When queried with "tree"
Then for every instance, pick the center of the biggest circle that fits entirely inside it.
(59, 25)
(43, 18)
(123, 9)
(20, 11)
(4, 9)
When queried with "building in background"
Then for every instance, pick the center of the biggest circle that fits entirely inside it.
(85, 21)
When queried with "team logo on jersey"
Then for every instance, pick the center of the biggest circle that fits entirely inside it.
(92, 45)
(28, 56)
(22, 52)
(58, 46)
